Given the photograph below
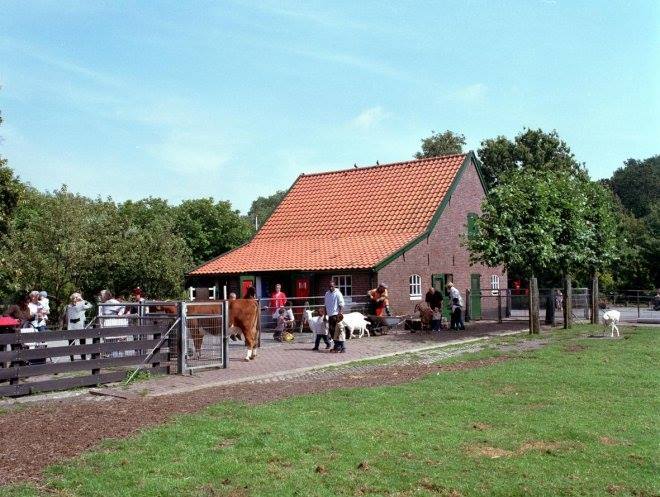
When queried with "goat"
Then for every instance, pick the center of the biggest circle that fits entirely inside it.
(610, 320)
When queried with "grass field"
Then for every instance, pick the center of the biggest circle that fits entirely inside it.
(577, 417)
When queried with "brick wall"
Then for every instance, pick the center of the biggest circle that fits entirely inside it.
(361, 281)
(442, 253)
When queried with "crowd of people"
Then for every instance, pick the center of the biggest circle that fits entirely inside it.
(33, 311)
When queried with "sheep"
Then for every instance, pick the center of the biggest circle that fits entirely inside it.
(610, 320)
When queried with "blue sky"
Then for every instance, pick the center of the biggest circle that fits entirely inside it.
(235, 99)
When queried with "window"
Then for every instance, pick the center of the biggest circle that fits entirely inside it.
(344, 284)
(471, 224)
(415, 287)
(494, 284)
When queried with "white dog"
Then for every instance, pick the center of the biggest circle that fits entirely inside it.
(610, 320)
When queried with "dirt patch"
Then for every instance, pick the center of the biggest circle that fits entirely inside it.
(541, 446)
(69, 427)
(574, 348)
(490, 452)
(608, 441)
(481, 426)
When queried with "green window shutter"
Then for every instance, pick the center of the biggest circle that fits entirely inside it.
(471, 224)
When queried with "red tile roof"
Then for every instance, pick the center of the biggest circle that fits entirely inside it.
(349, 219)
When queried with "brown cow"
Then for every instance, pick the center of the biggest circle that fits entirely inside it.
(244, 314)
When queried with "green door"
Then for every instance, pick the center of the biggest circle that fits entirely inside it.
(439, 282)
(475, 296)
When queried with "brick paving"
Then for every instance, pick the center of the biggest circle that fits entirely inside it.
(278, 361)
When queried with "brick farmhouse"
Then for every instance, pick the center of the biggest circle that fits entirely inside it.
(400, 224)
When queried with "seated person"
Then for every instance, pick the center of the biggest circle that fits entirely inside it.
(379, 303)
(281, 324)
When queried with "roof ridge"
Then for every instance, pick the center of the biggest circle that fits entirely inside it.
(390, 164)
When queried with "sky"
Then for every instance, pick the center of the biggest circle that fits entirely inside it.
(235, 99)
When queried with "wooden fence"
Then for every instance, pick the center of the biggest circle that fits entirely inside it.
(82, 358)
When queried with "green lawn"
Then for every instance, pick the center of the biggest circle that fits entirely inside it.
(578, 417)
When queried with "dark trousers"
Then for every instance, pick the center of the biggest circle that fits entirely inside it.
(339, 346)
(318, 339)
(457, 319)
(332, 324)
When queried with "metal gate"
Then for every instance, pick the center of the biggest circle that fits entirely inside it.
(204, 341)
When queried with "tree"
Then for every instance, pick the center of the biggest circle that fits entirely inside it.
(263, 207)
(447, 143)
(541, 220)
(10, 192)
(637, 184)
(531, 150)
(210, 228)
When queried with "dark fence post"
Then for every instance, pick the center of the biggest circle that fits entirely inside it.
(534, 317)
(594, 299)
(568, 302)
(499, 306)
(638, 303)
(181, 336)
(225, 334)
(467, 305)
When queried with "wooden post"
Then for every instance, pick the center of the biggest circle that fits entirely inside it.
(499, 306)
(594, 299)
(534, 317)
(568, 302)
(467, 305)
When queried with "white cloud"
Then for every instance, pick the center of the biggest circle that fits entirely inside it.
(369, 118)
(471, 93)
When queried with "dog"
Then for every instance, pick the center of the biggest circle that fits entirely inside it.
(610, 320)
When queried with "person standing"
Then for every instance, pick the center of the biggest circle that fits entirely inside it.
(334, 305)
(457, 305)
(38, 311)
(75, 312)
(277, 300)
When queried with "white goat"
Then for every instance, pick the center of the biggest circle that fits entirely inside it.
(356, 323)
(317, 324)
(610, 320)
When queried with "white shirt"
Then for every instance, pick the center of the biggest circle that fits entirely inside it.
(77, 312)
(333, 301)
(455, 294)
(36, 309)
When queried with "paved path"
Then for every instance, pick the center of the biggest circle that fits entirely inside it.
(275, 360)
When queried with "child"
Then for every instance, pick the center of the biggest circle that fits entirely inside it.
(281, 324)
(340, 334)
(436, 322)
(456, 315)
(323, 333)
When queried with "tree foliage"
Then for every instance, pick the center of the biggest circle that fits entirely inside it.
(263, 207)
(447, 143)
(533, 149)
(62, 242)
(10, 192)
(637, 184)
(210, 228)
(545, 221)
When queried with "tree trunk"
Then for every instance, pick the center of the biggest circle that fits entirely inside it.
(534, 318)
(594, 299)
(568, 302)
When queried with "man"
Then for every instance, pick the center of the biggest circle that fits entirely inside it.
(457, 306)
(334, 305)
(379, 301)
(434, 299)
(277, 300)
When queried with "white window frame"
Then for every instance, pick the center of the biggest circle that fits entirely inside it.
(344, 283)
(415, 287)
(192, 293)
(494, 284)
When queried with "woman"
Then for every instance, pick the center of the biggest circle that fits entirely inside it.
(75, 312)
(21, 311)
(110, 308)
